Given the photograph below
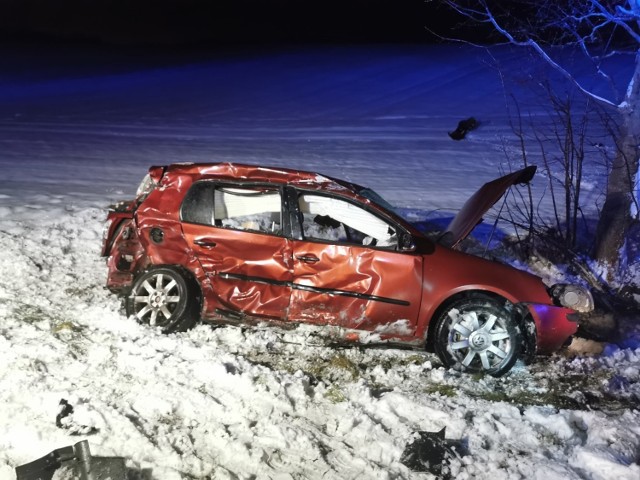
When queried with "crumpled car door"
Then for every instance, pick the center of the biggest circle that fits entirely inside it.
(348, 272)
(236, 234)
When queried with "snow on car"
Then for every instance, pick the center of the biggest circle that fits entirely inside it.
(238, 243)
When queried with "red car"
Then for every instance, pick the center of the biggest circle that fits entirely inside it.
(236, 243)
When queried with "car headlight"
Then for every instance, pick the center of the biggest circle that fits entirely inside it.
(572, 296)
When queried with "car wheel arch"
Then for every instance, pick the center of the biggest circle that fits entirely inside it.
(524, 317)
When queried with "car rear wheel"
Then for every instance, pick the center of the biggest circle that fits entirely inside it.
(478, 334)
(165, 298)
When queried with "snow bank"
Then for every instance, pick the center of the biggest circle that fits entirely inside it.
(235, 403)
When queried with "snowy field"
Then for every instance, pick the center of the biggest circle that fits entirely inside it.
(78, 130)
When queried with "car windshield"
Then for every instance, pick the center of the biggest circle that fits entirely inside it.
(377, 199)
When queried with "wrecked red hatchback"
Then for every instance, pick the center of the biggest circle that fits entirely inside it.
(238, 243)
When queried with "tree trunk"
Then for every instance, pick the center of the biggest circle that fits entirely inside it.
(615, 217)
(616, 211)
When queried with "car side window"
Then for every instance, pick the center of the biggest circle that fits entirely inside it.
(197, 206)
(335, 220)
(254, 209)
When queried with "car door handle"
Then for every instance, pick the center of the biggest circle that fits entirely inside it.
(204, 242)
(308, 258)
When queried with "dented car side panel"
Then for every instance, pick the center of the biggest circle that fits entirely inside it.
(154, 237)
(355, 287)
(160, 230)
(246, 272)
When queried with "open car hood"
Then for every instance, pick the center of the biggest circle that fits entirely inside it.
(471, 213)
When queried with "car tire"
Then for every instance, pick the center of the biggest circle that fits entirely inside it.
(164, 297)
(478, 334)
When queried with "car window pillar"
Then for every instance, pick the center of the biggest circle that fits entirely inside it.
(291, 218)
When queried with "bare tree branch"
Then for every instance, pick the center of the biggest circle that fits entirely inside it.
(599, 29)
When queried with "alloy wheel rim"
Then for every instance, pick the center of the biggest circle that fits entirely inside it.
(479, 339)
(156, 299)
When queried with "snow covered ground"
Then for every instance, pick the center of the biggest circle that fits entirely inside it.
(78, 129)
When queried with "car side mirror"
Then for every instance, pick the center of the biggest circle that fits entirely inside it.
(406, 243)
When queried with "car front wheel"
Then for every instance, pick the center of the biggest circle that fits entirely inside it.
(163, 297)
(478, 334)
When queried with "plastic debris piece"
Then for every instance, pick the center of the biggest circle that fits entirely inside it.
(76, 460)
(428, 453)
(464, 127)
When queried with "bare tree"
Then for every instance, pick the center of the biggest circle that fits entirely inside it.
(600, 29)
(561, 143)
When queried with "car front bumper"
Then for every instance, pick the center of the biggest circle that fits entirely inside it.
(554, 326)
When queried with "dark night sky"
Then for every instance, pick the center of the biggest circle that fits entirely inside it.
(214, 22)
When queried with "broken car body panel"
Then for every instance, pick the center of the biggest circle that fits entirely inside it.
(294, 246)
(354, 287)
(246, 272)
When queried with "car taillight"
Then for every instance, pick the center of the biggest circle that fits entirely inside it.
(106, 229)
(150, 181)
(146, 187)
